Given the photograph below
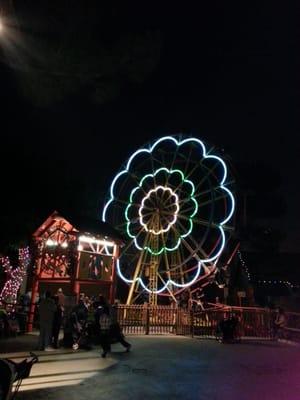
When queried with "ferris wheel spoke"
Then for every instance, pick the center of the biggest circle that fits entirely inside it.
(147, 214)
(168, 207)
(160, 164)
(209, 191)
(172, 164)
(137, 181)
(191, 208)
(167, 286)
(198, 221)
(132, 241)
(213, 200)
(166, 257)
(209, 172)
(202, 193)
(169, 271)
(188, 159)
(198, 248)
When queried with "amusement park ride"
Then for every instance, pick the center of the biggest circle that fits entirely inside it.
(168, 216)
(173, 201)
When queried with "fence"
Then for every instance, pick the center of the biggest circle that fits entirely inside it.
(253, 322)
(292, 329)
(146, 319)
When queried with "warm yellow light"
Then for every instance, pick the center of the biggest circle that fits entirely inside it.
(87, 239)
(1, 26)
(51, 242)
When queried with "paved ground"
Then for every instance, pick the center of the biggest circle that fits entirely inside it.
(164, 367)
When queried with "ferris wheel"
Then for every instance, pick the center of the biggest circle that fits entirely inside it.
(173, 202)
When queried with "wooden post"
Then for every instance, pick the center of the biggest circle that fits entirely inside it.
(74, 279)
(35, 288)
(113, 285)
(34, 291)
(147, 322)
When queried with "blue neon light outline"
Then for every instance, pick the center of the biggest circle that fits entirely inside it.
(169, 282)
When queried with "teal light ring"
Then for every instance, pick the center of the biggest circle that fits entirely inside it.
(169, 171)
(196, 207)
(156, 253)
(189, 230)
(128, 231)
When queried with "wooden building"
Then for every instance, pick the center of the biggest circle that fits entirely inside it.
(77, 255)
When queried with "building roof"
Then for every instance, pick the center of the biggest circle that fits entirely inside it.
(95, 227)
(82, 224)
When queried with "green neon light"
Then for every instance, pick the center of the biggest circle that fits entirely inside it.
(191, 197)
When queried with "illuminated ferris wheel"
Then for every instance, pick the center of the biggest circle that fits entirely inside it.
(173, 202)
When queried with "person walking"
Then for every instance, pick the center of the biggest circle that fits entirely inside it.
(279, 324)
(79, 316)
(105, 331)
(115, 329)
(46, 315)
(109, 328)
(57, 321)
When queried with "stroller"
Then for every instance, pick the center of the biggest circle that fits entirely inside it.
(11, 372)
(76, 333)
(81, 336)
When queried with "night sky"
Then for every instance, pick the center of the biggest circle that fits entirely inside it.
(127, 74)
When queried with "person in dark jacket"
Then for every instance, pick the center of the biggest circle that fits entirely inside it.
(109, 328)
(115, 328)
(46, 314)
(57, 320)
(79, 316)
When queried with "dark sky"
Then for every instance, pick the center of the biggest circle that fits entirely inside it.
(225, 72)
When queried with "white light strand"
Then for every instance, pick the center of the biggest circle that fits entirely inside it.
(244, 265)
(276, 282)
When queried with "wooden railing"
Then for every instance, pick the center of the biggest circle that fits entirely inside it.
(253, 322)
(146, 319)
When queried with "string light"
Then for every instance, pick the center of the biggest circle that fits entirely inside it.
(15, 276)
(267, 281)
(276, 282)
(244, 265)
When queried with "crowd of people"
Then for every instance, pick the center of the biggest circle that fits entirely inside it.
(94, 321)
(90, 321)
(230, 327)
